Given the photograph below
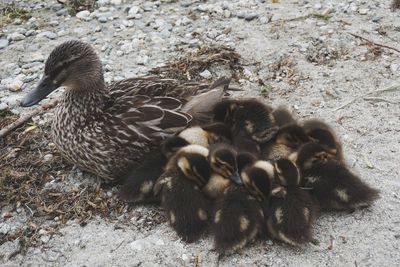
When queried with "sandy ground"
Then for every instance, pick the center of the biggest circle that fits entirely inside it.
(330, 68)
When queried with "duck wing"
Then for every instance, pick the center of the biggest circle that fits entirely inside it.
(156, 86)
(145, 118)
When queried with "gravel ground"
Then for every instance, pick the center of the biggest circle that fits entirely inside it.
(296, 53)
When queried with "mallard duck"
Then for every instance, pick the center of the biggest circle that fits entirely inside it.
(109, 130)
(331, 183)
(205, 135)
(320, 132)
(187, 208)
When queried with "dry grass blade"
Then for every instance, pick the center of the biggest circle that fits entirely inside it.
(189, 66)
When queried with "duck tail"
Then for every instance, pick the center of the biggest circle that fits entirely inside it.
(201, 106)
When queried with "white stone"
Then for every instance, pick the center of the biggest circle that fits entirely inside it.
(363, 11)
(48, 157)
(83, 15)
(15, 85)
(16, 36)
(206, 74)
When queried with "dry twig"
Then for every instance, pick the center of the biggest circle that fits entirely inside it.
(373, 43)
(388, 89)
(6, 130)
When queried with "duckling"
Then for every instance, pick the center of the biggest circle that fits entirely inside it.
(251, 122)
(187, 208)
(323, 134)
(332, 184)
(286, 141)
(222, 159)
(238, 216)
(197, 135)
(291, 213)
(283, 116)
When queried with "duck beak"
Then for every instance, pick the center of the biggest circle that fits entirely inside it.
(236, 178)
(45, 87)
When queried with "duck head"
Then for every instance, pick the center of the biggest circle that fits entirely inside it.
(72, 64)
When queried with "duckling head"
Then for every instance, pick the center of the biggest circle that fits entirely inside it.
(72, 64)
(218, 132)
(310, 155)
(192, 161)
(223, 162)
(292, 136)
(287, 173)
(225, 111)
(325, 138)
(257, 178)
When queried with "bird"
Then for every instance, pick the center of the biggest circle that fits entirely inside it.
(110, 130)
(180, 186)
(286, 141)
(291, 213)
(238, 216)
(222, 159)
(250, 120)
(322, 133)
(205, 135)
(283, 116)
(331, 183)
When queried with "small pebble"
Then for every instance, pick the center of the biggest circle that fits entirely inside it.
(3, 43)
(15, 36)
(15, 85)
(47, 34)
(363, 11)
(48, 157)
(83, 15)
(206, 74)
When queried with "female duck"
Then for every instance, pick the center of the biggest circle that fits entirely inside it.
(110, 130)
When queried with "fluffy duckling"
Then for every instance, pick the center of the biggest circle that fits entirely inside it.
(238, 215)
(250, 120)
(286, 141)
(197, 135)
(283, 116)
(290, 215)
(323, 134)
(187, 208)
(222, 159)
(331, 183)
